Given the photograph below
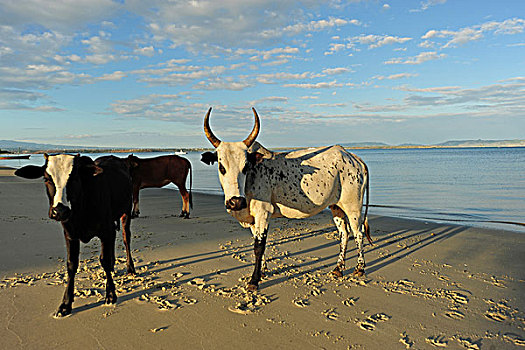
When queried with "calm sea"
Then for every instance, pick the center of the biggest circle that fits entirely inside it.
(471, 186)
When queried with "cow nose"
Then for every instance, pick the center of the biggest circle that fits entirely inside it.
(236, 203)
(59, 213)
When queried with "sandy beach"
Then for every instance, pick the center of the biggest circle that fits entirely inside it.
(427, 286)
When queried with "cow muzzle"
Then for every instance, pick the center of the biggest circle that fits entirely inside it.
(236, 203)
(60, 212)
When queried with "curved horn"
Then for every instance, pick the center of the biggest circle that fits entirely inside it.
(207, 130)
(251, 138)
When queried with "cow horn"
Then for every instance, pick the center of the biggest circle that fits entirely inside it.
(251, 138)
(207, 130)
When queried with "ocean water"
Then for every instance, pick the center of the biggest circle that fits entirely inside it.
(470, 186)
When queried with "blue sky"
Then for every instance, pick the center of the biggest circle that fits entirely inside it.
(143, 73)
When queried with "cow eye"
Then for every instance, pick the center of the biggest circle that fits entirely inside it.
(245, 169)
(221, 169)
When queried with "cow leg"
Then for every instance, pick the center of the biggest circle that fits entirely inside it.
(341, 222)
(259, 246)
(135, 212)
(126, 237)
(185, 213)
(354, 219)
(73, 251)
(107, 260)
(264, 266)
(259, 232)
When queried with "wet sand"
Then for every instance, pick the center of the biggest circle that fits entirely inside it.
(427, 286)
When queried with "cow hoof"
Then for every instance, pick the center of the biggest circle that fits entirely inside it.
(252, 287)
(111, 298)
(135, 215)
(359, 272)
(337, 273)
(63, 310)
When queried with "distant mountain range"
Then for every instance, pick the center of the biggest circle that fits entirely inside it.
(458, 143)
(10, 145)
(15, 146)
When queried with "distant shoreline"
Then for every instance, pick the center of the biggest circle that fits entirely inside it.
(151, 150)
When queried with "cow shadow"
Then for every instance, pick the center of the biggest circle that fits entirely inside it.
(428, 237)
(415, 240)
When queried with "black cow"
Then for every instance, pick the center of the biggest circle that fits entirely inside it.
(88, 198)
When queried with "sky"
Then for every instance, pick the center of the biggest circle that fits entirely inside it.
(143, 73)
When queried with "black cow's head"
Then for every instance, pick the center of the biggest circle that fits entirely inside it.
(234, 161)
(63, 174)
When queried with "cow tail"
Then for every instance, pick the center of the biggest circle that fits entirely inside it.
(365, 222)
(191, 180)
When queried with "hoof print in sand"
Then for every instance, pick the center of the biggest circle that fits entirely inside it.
(330, 314)
(156, 330)
(514, 339)
(370, 323)
(350, 301)
(405, 340)
(454, 315)
(241, 308)
(197, 282)
(437, 341)
(301, 302)
(367, 326)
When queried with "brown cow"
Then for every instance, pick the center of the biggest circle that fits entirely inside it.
(158, 172)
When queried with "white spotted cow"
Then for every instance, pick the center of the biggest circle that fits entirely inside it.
(259, 185)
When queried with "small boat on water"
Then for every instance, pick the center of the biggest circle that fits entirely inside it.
(21, 156)
(180, 153)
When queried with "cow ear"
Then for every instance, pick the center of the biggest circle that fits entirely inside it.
(209, 157)
(92, 169)
(255, 157)
(88, 167)
(31, 172)
(133, 161)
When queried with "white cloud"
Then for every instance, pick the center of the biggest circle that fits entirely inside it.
(269, 99)
(421, 58)
(270, 78)
(312, 26)
(395, 76)
(226, 83)
(145, 51)
(334, 71)
(375, 41)
(117, 75)
(505, 98)
(16, 99)
(328, 105)
(214, 26)
(267, 54)
(468, 34)
(320, 85)
(425, 5)
(63, 16)
(155, 106)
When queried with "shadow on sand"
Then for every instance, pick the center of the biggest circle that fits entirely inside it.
(414, 239)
